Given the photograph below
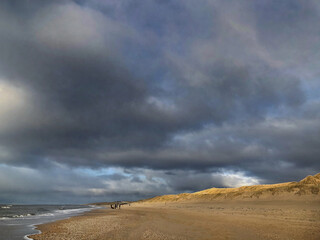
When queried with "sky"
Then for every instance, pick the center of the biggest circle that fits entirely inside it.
(129, 99)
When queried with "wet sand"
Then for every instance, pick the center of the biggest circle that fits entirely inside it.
(181, 221)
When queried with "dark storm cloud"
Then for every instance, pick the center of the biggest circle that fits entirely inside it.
(183, 87)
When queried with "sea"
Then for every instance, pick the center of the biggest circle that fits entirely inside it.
(18, 221)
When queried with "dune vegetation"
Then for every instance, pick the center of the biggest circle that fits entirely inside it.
(308, 187)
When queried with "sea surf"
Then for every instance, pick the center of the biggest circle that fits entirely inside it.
(19, 221)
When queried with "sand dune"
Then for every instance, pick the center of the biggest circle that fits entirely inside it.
(307, 188)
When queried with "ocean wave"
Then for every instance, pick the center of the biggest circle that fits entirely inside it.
(6, 207)
(48, 214)
(17, 216)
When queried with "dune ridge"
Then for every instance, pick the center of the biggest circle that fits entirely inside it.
(307, 188)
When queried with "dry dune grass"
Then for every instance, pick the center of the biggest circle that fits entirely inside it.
(308, 187)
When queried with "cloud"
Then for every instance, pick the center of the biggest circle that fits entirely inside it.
(15, 105)
(61, 184)
(224, 91)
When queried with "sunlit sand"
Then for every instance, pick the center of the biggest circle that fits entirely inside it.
(280, 211)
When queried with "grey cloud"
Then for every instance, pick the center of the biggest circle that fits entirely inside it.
(60, 184)
(162, 88)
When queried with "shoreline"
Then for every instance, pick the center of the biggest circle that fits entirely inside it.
(34, 227)
(184, 221)
(37, 226)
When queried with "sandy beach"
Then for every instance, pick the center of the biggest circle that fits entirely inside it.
(214, 220)
(278, 211)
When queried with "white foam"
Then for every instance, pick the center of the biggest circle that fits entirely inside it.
(59, 213)
(26, 237)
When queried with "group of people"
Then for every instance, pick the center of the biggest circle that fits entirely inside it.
(115, 205)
